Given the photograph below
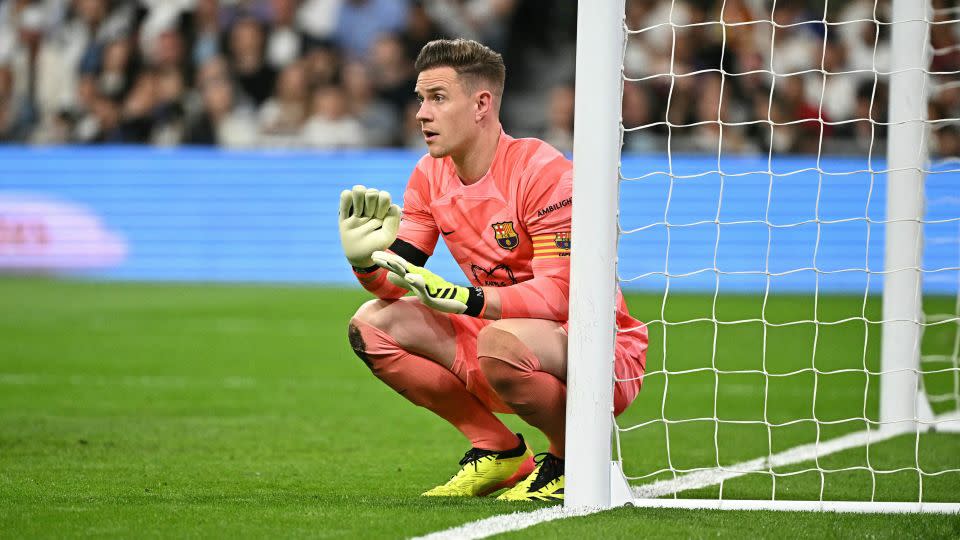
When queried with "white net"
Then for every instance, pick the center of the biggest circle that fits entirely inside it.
(752, 221)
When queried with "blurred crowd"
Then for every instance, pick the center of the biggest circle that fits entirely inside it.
(815, 80)
(339, 73)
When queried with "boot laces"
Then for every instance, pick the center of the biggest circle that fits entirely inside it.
(551, 468)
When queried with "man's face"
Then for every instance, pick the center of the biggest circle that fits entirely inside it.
(447, 113)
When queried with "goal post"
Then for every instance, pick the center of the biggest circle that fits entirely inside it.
(593, 277)
(900, 407)
(893, 381)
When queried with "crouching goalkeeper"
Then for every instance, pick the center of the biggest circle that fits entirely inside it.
(499, 344)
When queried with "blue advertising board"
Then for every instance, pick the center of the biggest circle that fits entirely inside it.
(793, 224)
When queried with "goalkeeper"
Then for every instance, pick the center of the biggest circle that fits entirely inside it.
(499, 344)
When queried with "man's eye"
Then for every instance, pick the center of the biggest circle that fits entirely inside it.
(419, 99)
(438, 98)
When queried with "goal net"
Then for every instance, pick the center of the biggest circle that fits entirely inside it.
(788, 229)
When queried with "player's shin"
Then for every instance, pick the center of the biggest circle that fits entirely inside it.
(429, 385)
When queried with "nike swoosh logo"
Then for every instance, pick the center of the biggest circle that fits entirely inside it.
(446, 233)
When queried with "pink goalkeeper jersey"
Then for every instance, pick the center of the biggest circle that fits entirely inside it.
(510, 229)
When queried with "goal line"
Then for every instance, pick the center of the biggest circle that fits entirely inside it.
(657, 494)
(649, 495)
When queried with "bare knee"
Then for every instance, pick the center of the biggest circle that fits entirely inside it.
(366, 314)
(369, 311)
(380, 314)
(503, 357)
(501, 375)
(409, 325)
(527, 344)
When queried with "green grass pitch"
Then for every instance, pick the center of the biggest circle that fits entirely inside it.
(192, 410)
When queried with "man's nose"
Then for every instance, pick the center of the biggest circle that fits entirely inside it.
(423, 113)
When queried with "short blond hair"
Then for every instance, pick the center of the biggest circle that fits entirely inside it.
(473, 61)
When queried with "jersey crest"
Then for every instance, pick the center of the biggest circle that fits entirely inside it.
(562, 240)
(507, 238)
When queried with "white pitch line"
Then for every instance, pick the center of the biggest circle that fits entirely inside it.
(521, 520)
(508, 523)
(798, 454)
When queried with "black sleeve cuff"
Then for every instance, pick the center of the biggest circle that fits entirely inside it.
(475, 302)
(409, 252)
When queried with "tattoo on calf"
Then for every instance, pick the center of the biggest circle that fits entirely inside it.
(358, 345)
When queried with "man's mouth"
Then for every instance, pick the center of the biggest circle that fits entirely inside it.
(429, 135)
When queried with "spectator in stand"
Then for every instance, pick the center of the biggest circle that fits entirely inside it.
(136, 121)
(318, 18)
(282, 117)
(205, 31)
(98, 117)
(323, 64)
(392, 71)
(84, 123)
(682, 96)
(285, 42)
(70, 70)
(946, 98)
(945, 43)
(167, 49)
(947, 141)
(118, 70)
(231, 11)
(838, 89)
(714, 108)
(421, 29)
(14, 125)
(798, 45)
(867, 43)
(169, 112)
(24, 66)
(361, 22)
(379, 118)
(223, 121)
(800, 123)
(479, 20)
(254, 76)
(637, 111)
(216, 68)
(331, 125)
(649, 52)
(540, 53)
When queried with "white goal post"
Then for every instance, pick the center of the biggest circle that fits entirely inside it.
(593, 478)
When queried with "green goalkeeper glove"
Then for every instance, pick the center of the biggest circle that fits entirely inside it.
(432, 290)
(368, 222)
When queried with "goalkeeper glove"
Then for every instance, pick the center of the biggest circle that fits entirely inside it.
(368, 222)
(432, 290)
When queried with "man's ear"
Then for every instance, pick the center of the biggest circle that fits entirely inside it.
(483, 101)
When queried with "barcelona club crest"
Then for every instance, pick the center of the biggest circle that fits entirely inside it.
(562, 240)
(506, 237)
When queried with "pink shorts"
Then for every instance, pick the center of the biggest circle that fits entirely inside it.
(629, 364)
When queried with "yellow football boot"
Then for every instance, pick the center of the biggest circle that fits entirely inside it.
(545, 483)
(484, 471)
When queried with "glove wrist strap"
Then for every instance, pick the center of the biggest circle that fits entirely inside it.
(367, 270)
(475, 302)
